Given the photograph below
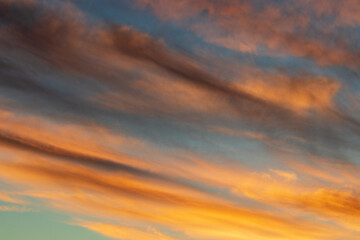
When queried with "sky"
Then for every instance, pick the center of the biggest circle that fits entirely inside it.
(179, 119)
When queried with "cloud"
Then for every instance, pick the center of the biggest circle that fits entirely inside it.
(107, 194)
(114, 197)
(13, 209)
(300, 94)
(90, 87)
(40, 37)
(56, 61)
(288, 26)
(75, 157)
(5, 197)
(122, 232)
(345, 12)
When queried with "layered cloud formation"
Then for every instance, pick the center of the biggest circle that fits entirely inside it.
(232, 120)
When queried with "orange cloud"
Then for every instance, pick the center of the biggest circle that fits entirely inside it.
(5, 197)
(284, 174)
(112, 196)
(122, 232)
(248, 134)
(14, 209)
(338, 203)
(299, 94)
(82, 168)
(173, 202)
(241, 26)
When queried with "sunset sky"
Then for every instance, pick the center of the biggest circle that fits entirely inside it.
(180, 119)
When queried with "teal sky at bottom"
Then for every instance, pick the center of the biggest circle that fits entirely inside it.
(42, 226)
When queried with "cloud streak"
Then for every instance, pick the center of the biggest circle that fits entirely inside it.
(138, 134)
(240, 26)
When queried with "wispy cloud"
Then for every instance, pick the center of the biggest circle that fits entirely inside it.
(288, 26)
(135, 137)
